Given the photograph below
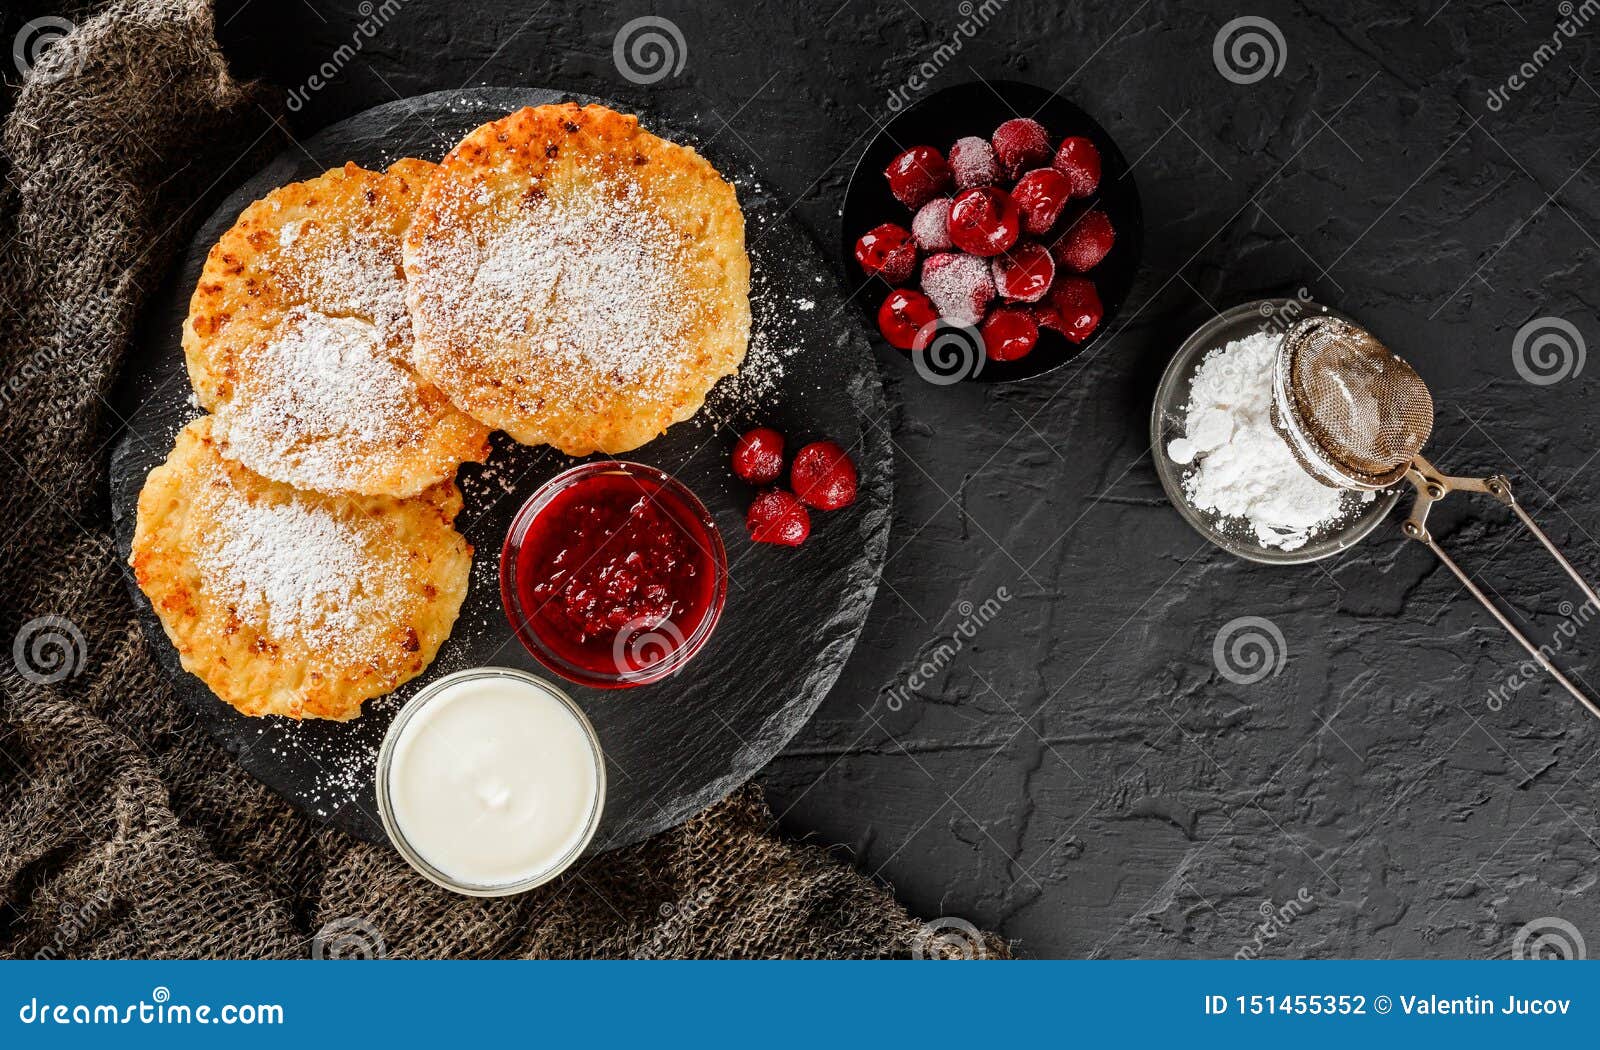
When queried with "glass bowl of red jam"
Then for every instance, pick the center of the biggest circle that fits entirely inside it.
(613, 575)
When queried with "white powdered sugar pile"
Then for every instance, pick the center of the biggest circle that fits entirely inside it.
(1243, 469)
(289, 570)
(318, 401)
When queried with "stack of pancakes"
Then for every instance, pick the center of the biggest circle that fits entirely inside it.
(562, 275)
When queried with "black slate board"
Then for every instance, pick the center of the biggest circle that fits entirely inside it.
(792, 616)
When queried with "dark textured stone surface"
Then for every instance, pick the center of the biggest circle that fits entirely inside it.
(1079, 774)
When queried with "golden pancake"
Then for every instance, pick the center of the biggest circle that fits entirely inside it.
(299, 341)
(575, 280)
(295, 603)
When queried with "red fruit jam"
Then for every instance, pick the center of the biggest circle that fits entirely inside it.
(613, 575)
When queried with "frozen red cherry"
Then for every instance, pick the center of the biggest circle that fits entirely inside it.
(1079, 161)
(917, 176)
(931, 225)
(984, 221)
(973, 163)
(1041, 194)
(758, 456)
(1024, 273)
(1008, 333)
(1021, 144)
(823, 476)
(1075, 299)
(1045, 315)
(1081, 247)
(887, 251)
(903, 314)
(777, 517)
(959, 286)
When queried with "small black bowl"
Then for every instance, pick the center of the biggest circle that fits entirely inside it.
(977, 109)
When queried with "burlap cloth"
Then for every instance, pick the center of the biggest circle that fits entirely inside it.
(124, 831)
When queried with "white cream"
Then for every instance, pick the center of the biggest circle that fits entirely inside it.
(493, 780)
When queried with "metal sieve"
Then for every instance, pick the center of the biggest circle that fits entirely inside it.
(1353, 413)
(1356, 416)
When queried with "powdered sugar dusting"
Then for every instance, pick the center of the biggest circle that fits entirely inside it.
(290, 570)
(591, 278)
(354, 274)
(778, 334)
(931, 225)
(317, 401)
(973, 162)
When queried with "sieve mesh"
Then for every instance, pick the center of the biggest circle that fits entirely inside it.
(1355, 414)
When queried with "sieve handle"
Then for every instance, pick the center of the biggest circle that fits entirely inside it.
(1432, 487)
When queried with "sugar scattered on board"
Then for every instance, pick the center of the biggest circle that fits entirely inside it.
(778, 332)
(1242, 467)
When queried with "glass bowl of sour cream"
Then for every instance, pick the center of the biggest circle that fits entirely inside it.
(491, 781)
